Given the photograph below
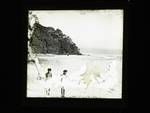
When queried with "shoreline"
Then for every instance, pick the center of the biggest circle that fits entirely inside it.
(76, 66)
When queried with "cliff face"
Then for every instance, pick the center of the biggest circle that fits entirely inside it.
(49, 40)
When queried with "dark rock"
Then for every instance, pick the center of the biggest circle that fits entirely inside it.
(49, 40)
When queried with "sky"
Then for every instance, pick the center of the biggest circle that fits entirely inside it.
(99, 29)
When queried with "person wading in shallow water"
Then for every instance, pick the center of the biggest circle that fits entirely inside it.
(63, 77)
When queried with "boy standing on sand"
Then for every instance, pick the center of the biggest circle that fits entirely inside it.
(48, 74)
(63, 77)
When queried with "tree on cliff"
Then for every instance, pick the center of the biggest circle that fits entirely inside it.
(31, 56)
(49, 40)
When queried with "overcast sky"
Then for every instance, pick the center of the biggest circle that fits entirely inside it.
(101, 29)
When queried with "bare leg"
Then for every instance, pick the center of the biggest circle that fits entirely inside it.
(47, 91)
(62, 92)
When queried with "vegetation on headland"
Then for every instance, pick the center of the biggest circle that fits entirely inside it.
(49, 40)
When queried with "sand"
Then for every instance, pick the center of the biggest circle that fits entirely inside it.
(87, 77)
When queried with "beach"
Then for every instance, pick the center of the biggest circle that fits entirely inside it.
(88, 76)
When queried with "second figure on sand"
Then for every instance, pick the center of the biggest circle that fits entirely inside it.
(63, 77)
